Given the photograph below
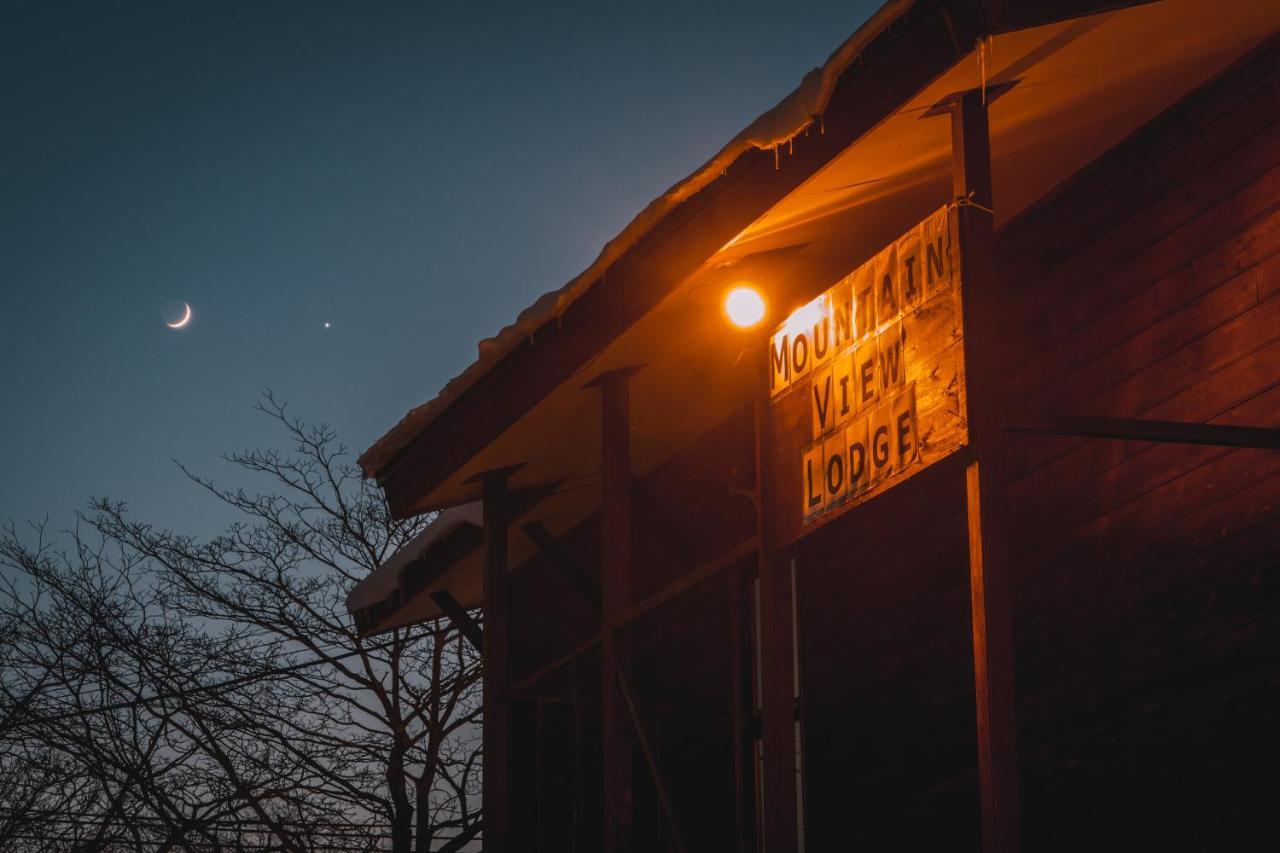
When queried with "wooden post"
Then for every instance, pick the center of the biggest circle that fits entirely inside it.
(777, 689)
(615, 594)
(988, 539)
(537, 775)
(496, 726)
(740, 708)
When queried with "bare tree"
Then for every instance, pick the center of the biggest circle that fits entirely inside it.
(118, 740)
(384, 727)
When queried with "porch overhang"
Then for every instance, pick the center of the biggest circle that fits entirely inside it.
(793, 218)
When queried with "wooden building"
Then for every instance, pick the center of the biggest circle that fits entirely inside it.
(971, 541)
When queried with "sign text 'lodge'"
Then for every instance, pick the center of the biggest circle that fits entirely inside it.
(879, 358)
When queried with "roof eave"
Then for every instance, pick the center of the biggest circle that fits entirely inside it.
(875, 71)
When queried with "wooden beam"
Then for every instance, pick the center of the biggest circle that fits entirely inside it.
(707, 571)
(686, 582)
(575, 575)
(496, 725)
(532, 679)
(460, 618)
(615, 593)
(1138, 429)
(992, 622)
(778, 705)
(777, 653)
(524, 499)
(651, 760)
(1008, 16)
(741, 710)
(677, 542)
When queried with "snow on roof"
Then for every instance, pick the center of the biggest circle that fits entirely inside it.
(383, 581)
(789, 118)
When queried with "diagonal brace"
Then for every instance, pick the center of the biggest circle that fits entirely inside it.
(574, 573)
(461, 619)
(651, 760)
(1137, 429)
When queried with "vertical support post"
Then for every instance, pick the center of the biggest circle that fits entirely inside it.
(537, 775)
(989, 569)
(740, 710)
(496, 726)
(615, 592)
(777, 693)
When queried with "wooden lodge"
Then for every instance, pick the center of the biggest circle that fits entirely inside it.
(971, 541)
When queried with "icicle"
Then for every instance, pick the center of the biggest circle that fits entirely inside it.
(776, 165)
(984, 62)
(791, 146)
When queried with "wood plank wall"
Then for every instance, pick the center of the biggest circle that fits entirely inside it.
(1148, 599)
(1147, 595)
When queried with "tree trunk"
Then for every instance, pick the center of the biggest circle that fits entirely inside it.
(426, 832)
(402, 811)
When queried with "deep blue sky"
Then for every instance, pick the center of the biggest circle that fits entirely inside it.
(413, 174)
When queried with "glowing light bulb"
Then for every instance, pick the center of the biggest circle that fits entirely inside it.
(744, 306)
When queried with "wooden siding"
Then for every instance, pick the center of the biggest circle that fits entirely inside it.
(1147, 585)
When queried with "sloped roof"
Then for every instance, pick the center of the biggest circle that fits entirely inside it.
(794, 114)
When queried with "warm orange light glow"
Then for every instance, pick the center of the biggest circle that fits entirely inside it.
(809, 315)
(744, 305)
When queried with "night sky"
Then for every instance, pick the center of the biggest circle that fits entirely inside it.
(414, 175)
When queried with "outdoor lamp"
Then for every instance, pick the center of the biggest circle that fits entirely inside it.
(744, 306)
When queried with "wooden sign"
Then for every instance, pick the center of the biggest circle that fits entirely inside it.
(878, 361)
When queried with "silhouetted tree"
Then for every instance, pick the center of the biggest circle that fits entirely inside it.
(386, 725)
(118, 740)
(164, 692)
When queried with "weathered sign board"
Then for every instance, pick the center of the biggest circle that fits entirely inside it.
(877, 362)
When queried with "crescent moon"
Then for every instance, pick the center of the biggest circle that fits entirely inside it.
(186, 318)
